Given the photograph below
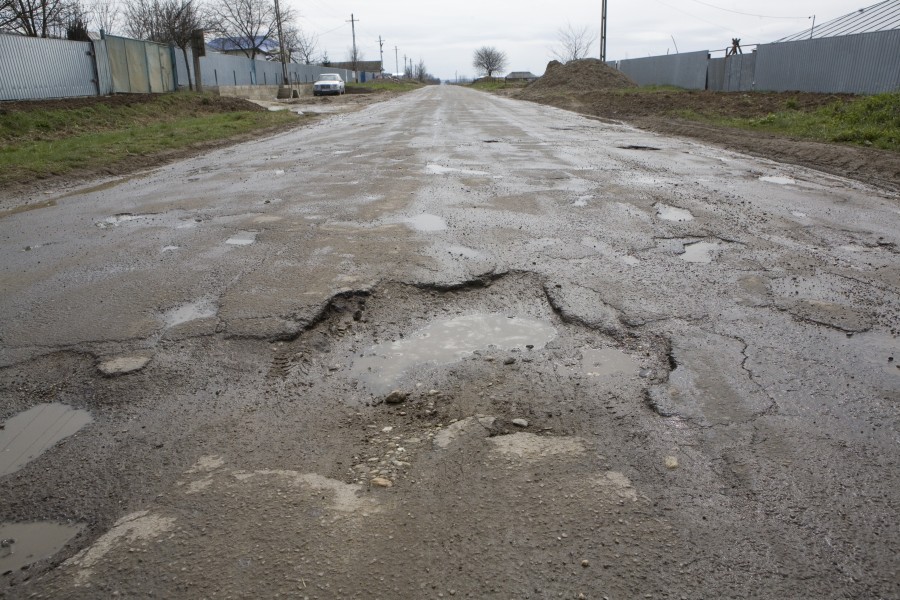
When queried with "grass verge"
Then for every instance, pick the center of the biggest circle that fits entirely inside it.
(872, 121)
(496, 84)
(383, 86)
(42, 140)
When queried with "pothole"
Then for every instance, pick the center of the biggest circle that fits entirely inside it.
(29, 434)
(22, 544)
(426, 222)
(382, 366)
(606, 362)
(440, 170)
(116, 220)
(700, 252)
(242, 238)
(672, 213)
(192, 311)
(778, 179)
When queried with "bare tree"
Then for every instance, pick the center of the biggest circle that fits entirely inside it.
(165, 21)
(489, 60)
(105, 15)
(420, 71)
(303, 45)
(35, 18)
(248, 24)
(574, 44)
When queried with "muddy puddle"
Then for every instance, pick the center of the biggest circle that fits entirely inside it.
(29, 434)
(700, 252)
(116, 220)
(778, 179)
(22, 544)
(381, 367)
(242, 238)
(439, 170)
(426, 222)
(673, 213)
(201, 309)
(607, 362)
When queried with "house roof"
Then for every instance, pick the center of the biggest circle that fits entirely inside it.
(232, 44)
(521, 75)
(878, 17)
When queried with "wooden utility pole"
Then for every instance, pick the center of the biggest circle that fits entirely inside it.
(603, 33)
(355, 56)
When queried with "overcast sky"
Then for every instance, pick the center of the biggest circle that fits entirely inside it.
(445, 34)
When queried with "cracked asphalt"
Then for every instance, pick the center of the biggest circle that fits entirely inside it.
(673, 368)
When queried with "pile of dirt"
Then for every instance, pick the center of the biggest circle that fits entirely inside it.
(585, 75)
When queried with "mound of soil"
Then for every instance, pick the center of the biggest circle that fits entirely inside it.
(585, 75)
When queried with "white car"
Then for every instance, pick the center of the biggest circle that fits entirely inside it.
(329, 83)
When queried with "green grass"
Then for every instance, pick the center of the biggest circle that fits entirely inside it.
(40, 143)
(496, 84)
(386, 85)
(649, 89)
(869, 121)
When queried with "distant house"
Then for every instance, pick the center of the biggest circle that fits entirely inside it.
(236, 46)
(526, 76)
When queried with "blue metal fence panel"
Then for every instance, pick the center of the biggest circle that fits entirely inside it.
(686, 70)
(40, 68)
(104, 76)
(864, 63)
(227, 70)
(715, 75)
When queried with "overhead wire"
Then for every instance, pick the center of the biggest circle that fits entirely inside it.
(693, 15)
(737, 12)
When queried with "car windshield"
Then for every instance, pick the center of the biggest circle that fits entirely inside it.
(331, 78)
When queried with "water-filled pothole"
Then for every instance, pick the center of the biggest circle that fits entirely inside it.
(116, 220)
(242, 238)
(672, 213)
(607, 362)
(778, 179)
(200, 309)
(426, 222)
(700, 252)
(29, 434)
(382, 366)
(22, 544)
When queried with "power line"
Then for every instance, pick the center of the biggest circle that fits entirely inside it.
(737, 12)
(693, 16)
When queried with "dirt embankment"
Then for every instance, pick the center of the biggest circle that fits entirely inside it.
(593, 88)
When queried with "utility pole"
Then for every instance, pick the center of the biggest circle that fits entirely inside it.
(813, 28)
(396, 61)
(603, 34)
(355, 55)
(281, 45)
(381, 51)
(404, 66)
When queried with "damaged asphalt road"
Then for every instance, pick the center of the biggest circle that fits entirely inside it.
(626, 366)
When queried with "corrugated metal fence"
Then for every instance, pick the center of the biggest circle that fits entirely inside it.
(865, 63)
(43, 68)
(40, 68)
(686, 70)
(225, 70)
